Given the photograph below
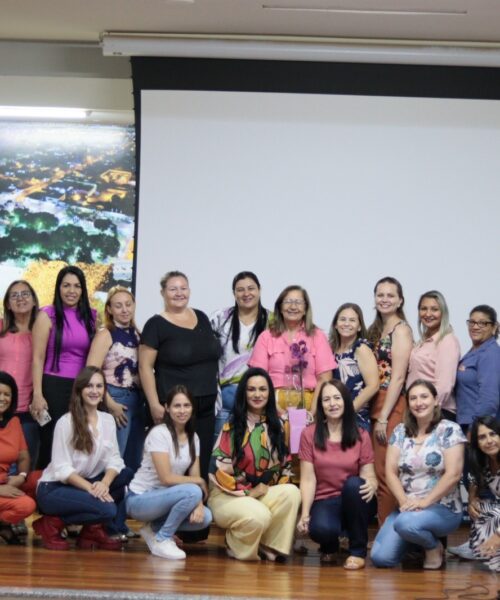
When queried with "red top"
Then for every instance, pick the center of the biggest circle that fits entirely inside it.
(11, 443)
(333, 466)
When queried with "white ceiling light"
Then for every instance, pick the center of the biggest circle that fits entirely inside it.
(39, 112)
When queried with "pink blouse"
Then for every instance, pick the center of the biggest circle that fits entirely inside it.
(276, 356)
(16, 359)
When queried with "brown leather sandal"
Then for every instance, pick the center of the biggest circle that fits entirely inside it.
(354, 563)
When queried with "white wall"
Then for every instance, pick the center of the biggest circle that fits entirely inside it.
(331, 192)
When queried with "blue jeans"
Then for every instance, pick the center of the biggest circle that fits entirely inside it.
(228, 394)
(131, 436)
(349, 512)
(168, 509)
(420, 527)
(77, 507)
(31, 431)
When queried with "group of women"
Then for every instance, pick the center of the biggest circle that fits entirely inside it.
(242, 378)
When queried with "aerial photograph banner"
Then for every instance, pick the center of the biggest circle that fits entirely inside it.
(67, 196)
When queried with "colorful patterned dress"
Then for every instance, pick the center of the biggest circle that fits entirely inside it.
(489, 522)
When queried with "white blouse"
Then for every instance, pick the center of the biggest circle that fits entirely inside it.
(66, 460)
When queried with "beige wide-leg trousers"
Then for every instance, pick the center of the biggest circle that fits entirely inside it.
(269, 520)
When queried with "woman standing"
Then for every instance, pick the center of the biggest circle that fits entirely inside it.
(86, 475)
(392, 340)
(424, 465)
(294, 352)
(115, 350)
(178, 347)
(250, 494)
(435, 358)
(478, 377)
(167, 492)
(20, 307)
(338, 481)
(485, 470)
(237, 328)
(61, 340)
(356, 364)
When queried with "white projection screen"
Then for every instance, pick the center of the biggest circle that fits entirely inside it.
(328, 191)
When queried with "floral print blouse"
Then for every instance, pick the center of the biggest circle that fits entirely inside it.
(383, 354)
(421, 466)
(259, 463)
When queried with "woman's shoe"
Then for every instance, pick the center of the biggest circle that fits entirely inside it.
(436, 559)
(326, 558)
(9, 535)
(271, 555)
(94, 537)
(49, 529)
(354, 563)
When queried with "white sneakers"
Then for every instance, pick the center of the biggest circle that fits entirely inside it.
(166, 548)
(463, 551)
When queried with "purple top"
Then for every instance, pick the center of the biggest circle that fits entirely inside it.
(74, 347)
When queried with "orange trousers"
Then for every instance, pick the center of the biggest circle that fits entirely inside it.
(13, 510)
(386, 502)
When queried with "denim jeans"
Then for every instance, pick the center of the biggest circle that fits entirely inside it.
(228, 394)
(77, 507)
(168, 509)
(130, 436)
(420, 527)
(349, 512)
(31, 431)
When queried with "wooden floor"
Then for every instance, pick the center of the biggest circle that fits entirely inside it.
(208, 572)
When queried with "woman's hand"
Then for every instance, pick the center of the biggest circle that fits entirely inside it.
(412, 504)
(259, 490)
(16, 480)
(473, 509)
(10, 491)
(158, 413)
(368, 489)
(380, 431)
(38, 405)
(204, 488)
(491, 546)
(309, 418)
(303, 524)
(198, 514)
(100, 490)
(118, 411)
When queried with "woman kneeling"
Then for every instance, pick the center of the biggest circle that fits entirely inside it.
(160, 493)
(250, 494)
(84, 484)
(338, 482)
(423, 467)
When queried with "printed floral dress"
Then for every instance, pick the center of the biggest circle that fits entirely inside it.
(489, 522)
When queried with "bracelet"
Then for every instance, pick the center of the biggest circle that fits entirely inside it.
(23, 474)
(382, 422)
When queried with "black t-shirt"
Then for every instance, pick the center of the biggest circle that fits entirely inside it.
(185, 356)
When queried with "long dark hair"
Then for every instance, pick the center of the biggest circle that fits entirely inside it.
(84, 311)
(9, 320)
(82, 439)
(240, 412)
(409, 420)
(190, 424)
(350, 431)
(478, 459)
(376, 328)
(9, 381)
(262, 314)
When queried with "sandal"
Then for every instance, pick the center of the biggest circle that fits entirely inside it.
(434, 565)
(354, 563)
(325, 558)
(271, 555)
(9, 536)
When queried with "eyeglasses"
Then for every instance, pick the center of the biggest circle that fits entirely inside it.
(480, 324)
(18, 295)
(295, 302)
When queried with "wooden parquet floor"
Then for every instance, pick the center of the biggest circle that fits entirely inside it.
(208, 572)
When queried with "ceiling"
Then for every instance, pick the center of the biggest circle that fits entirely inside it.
(86, 20)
